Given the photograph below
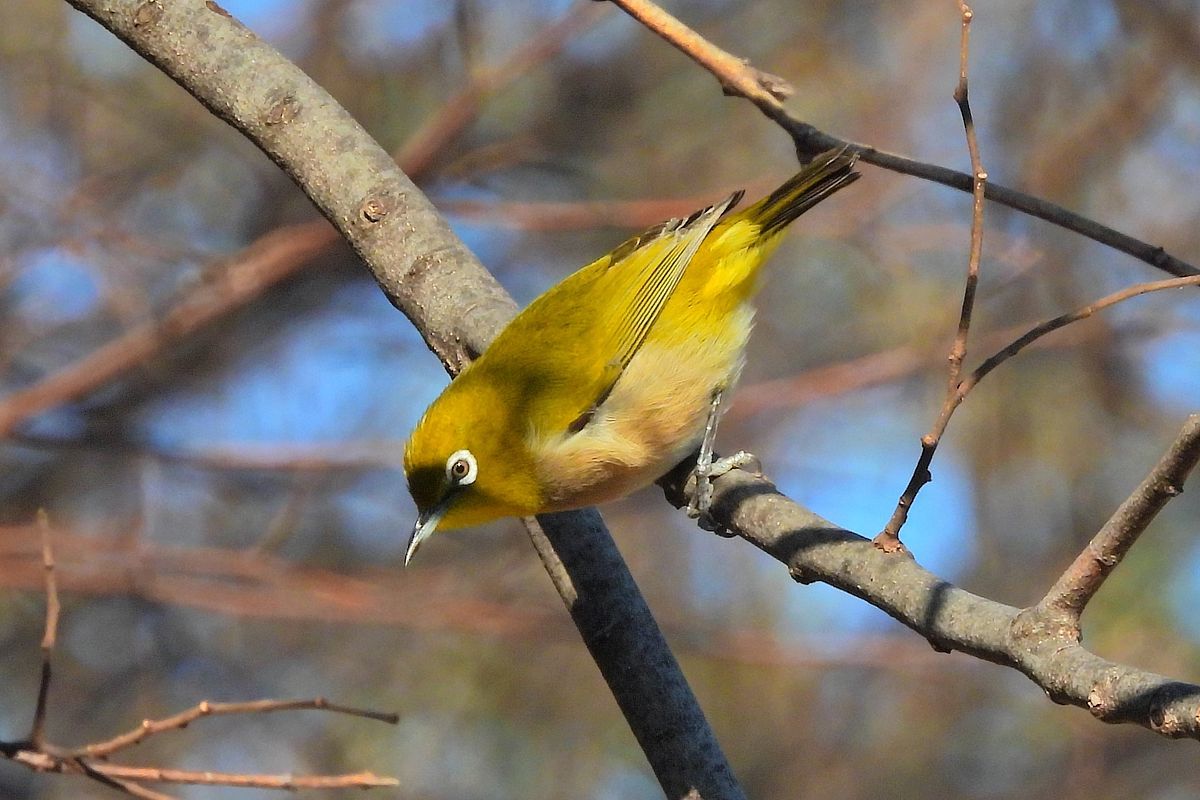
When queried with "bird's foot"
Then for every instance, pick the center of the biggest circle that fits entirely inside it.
(703, 475)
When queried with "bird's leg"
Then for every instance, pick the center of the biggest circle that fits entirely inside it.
(707, 469)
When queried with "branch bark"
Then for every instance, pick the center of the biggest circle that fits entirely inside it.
(1036, 641)
(429, 275)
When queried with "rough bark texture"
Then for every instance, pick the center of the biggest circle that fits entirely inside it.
(1038, 642)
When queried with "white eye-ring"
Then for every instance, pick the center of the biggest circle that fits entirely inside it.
(461, 468)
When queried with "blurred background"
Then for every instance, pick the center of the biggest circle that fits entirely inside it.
(209, 396)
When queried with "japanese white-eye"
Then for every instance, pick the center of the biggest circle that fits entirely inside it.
(607, 380)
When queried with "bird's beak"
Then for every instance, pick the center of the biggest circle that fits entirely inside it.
(427, 522)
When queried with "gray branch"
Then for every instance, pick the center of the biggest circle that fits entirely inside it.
(429, 275)
(1040, 641)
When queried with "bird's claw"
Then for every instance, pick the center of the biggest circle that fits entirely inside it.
(703, 474)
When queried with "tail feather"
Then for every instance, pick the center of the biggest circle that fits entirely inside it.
(820, 178)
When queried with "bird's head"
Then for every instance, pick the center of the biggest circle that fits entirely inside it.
(465, 464)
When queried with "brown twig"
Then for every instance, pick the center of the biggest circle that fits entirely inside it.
(118, 775)
(37, 731)
(205, 708)
(1019, 344)
(40, 755)
(735, 75)
(888, 539)
(810, 140)
(1084, 577)
(930, 440)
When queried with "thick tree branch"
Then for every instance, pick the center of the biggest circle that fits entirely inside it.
(429, 275)
(1031, 640)
(810, 140)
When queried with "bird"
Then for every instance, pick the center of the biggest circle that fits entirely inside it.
(613, 376)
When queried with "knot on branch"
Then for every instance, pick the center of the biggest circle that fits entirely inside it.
(148, 13)
(284, 107)
(375, 207)
(1039, 625)
(1169, 712)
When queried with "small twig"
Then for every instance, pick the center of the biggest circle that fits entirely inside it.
(37, 731)
(128, 787)
(1031, 336)
(888, 539)
(735, 75)
(930, 440)
(1084, 577)
(120, 776)
(181, 720)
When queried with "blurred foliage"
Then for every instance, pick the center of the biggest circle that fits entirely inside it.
(269, 442)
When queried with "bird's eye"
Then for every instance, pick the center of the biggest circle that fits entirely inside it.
(461, 468)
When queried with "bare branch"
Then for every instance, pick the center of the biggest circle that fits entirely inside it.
(37, 731)
(810, 140)
(998, 358)
(888, 539)
(206, 708)
(119, 775)
(1083, 578)
(735, 75)
(40, 755)
(950, 618)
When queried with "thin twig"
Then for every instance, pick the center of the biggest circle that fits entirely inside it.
(121, 774)
(37, 731)
(930, 440)
(735, 75)
(205, 708)
(38, 754)
(128, 787)
(888, 539)
(1016, 346)
(810, 140)
(1084, 577)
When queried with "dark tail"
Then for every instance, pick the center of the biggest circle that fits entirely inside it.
(820, 178)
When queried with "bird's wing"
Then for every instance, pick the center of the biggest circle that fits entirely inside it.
(642, 274)
(566, 351)
(628, 290)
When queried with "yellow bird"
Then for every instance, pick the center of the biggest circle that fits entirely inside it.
(613, 376)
